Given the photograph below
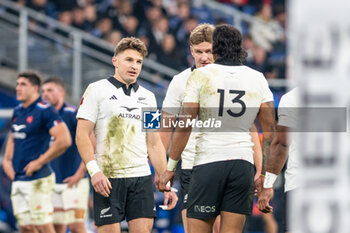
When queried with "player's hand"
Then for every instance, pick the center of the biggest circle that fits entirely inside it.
(101, 184)
(156, 180)
(257, 176)
(32, 167)
(172, 198)
(73, 180)
(258, 183)
(264, 199)
(164, 179)
(8, 169)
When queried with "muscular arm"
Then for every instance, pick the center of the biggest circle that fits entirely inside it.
(7, 163)
(156, 152)
(275, 162)
(85, 146)
(83, 140)
(257, 151)
(179, 141)
(278, 151)
(181, 135)
(165, 134)
(62, 141)
(266, 117)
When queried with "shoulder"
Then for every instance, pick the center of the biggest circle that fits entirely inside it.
(70, 108)
(69, 111)
(98, 84)
(96, 89)
(18, 107)
(145, 92)
(184, 74)
(43, 105)
(253, 72)
(289, 99)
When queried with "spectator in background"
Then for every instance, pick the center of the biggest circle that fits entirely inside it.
(114, 37)
(90, 16)
(248, 45)
(177, 20)
(65, 17)
(78, 16)
(130, 26)
(158, 29)
(259, 59)
(264, 29)
(103, 28)
(64, 5)
(169, 56)
(42, 6)
(182, 40)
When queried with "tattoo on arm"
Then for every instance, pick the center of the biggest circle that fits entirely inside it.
(267, 120)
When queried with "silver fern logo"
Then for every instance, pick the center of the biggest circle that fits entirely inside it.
(103, 213)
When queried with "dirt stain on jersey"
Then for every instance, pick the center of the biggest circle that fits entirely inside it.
(37, 186)
(115, 159)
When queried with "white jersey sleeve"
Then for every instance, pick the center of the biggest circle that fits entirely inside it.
(88, 108)
(287, 110)
(265, 90)
(193, 86)
(172, 100)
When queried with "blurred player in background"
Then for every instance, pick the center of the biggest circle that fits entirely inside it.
(27, 155)
(282, 147)
(72, 186)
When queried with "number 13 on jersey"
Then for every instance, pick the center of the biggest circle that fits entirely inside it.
(237, 99)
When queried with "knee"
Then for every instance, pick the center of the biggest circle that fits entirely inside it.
(76, 227)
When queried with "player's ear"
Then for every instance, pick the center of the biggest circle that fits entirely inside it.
(114, 61)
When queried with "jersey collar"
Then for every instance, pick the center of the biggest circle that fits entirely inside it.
(119, 84)
(193, 67)
(227, 62)
(63, 106)
(33, 104)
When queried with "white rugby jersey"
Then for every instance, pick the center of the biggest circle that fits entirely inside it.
(172, 104)
(121, 149)
(287, 116)
(233, 95)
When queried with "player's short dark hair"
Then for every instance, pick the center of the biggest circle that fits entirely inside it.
(131, 43)
(58, 81)
(202, 33)
(227, 43)
(32, 76)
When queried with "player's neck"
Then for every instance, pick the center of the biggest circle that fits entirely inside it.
(117, 77)
(59, 105)
(31, 100)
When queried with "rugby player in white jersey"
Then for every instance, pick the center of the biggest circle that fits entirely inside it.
(201, 43)
(282, 147)
(119, 169)
(222, 181)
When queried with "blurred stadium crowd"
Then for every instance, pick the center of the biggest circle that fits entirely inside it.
(165, 26)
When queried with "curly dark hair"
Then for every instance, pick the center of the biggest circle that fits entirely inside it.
(227, 44)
